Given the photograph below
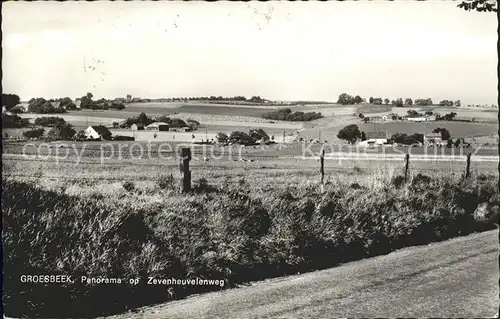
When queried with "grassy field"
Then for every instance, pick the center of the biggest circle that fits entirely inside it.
(198, 108)
(242, 222)
(328, 132)
(456, 129)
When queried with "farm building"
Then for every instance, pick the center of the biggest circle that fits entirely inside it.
(433, 139)
(78, 103)
(374, 138)
(377, 137)
(97, 132)
(137, 127)
(157, 126)
(391, 116)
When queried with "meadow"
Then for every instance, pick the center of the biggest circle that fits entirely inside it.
(328, 132)
(240, 223)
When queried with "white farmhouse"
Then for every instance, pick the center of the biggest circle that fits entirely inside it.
(374, 138)
(97, 133)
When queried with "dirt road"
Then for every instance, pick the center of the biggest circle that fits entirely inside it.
(456, 278)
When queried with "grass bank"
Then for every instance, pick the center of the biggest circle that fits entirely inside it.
(238, 232)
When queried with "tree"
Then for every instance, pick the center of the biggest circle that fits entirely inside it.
(423, 102)
(363, 136)
(192, 124)
(67, 103)
(479, 5)
(457, 103)
(449, 116)
(62, 132)
(445, 134)
(259, 134)
(408, 101)
(285, 114)
(34, 133)
(10, 100)
(144, 119)
(241, 138)
(386, 101)
(345, 99)
(350, 133)
(399, 102)
(358, 99)
(222, 138)
(42, 106)
(371, 100)
(412, 113)
(402, 138)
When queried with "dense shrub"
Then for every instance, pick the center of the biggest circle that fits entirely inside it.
(34, 133)
(286, 114)
(236, 233)
(13, 121)
(50, 121)
(62, 132)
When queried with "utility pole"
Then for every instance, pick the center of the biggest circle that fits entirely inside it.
(319, 135)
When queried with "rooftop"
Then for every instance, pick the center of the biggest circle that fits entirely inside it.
(157, 124)
(102, 130)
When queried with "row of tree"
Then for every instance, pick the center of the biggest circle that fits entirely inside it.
(449, 103)
(352, 134)
(346, 99)
(43, 106)
(286, 114)
(62, 131)
(100, 104)
(238, 137)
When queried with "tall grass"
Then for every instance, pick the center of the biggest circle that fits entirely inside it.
(237, 232)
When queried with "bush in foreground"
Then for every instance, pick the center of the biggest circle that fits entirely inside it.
(232, 233)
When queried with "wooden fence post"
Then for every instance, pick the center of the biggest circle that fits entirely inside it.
(407, 165)
(185, 157)
(467, 169)
(322, 166)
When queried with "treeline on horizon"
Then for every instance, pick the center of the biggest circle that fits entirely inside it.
(347, 99)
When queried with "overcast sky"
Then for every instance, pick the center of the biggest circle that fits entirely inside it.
(278, 50)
